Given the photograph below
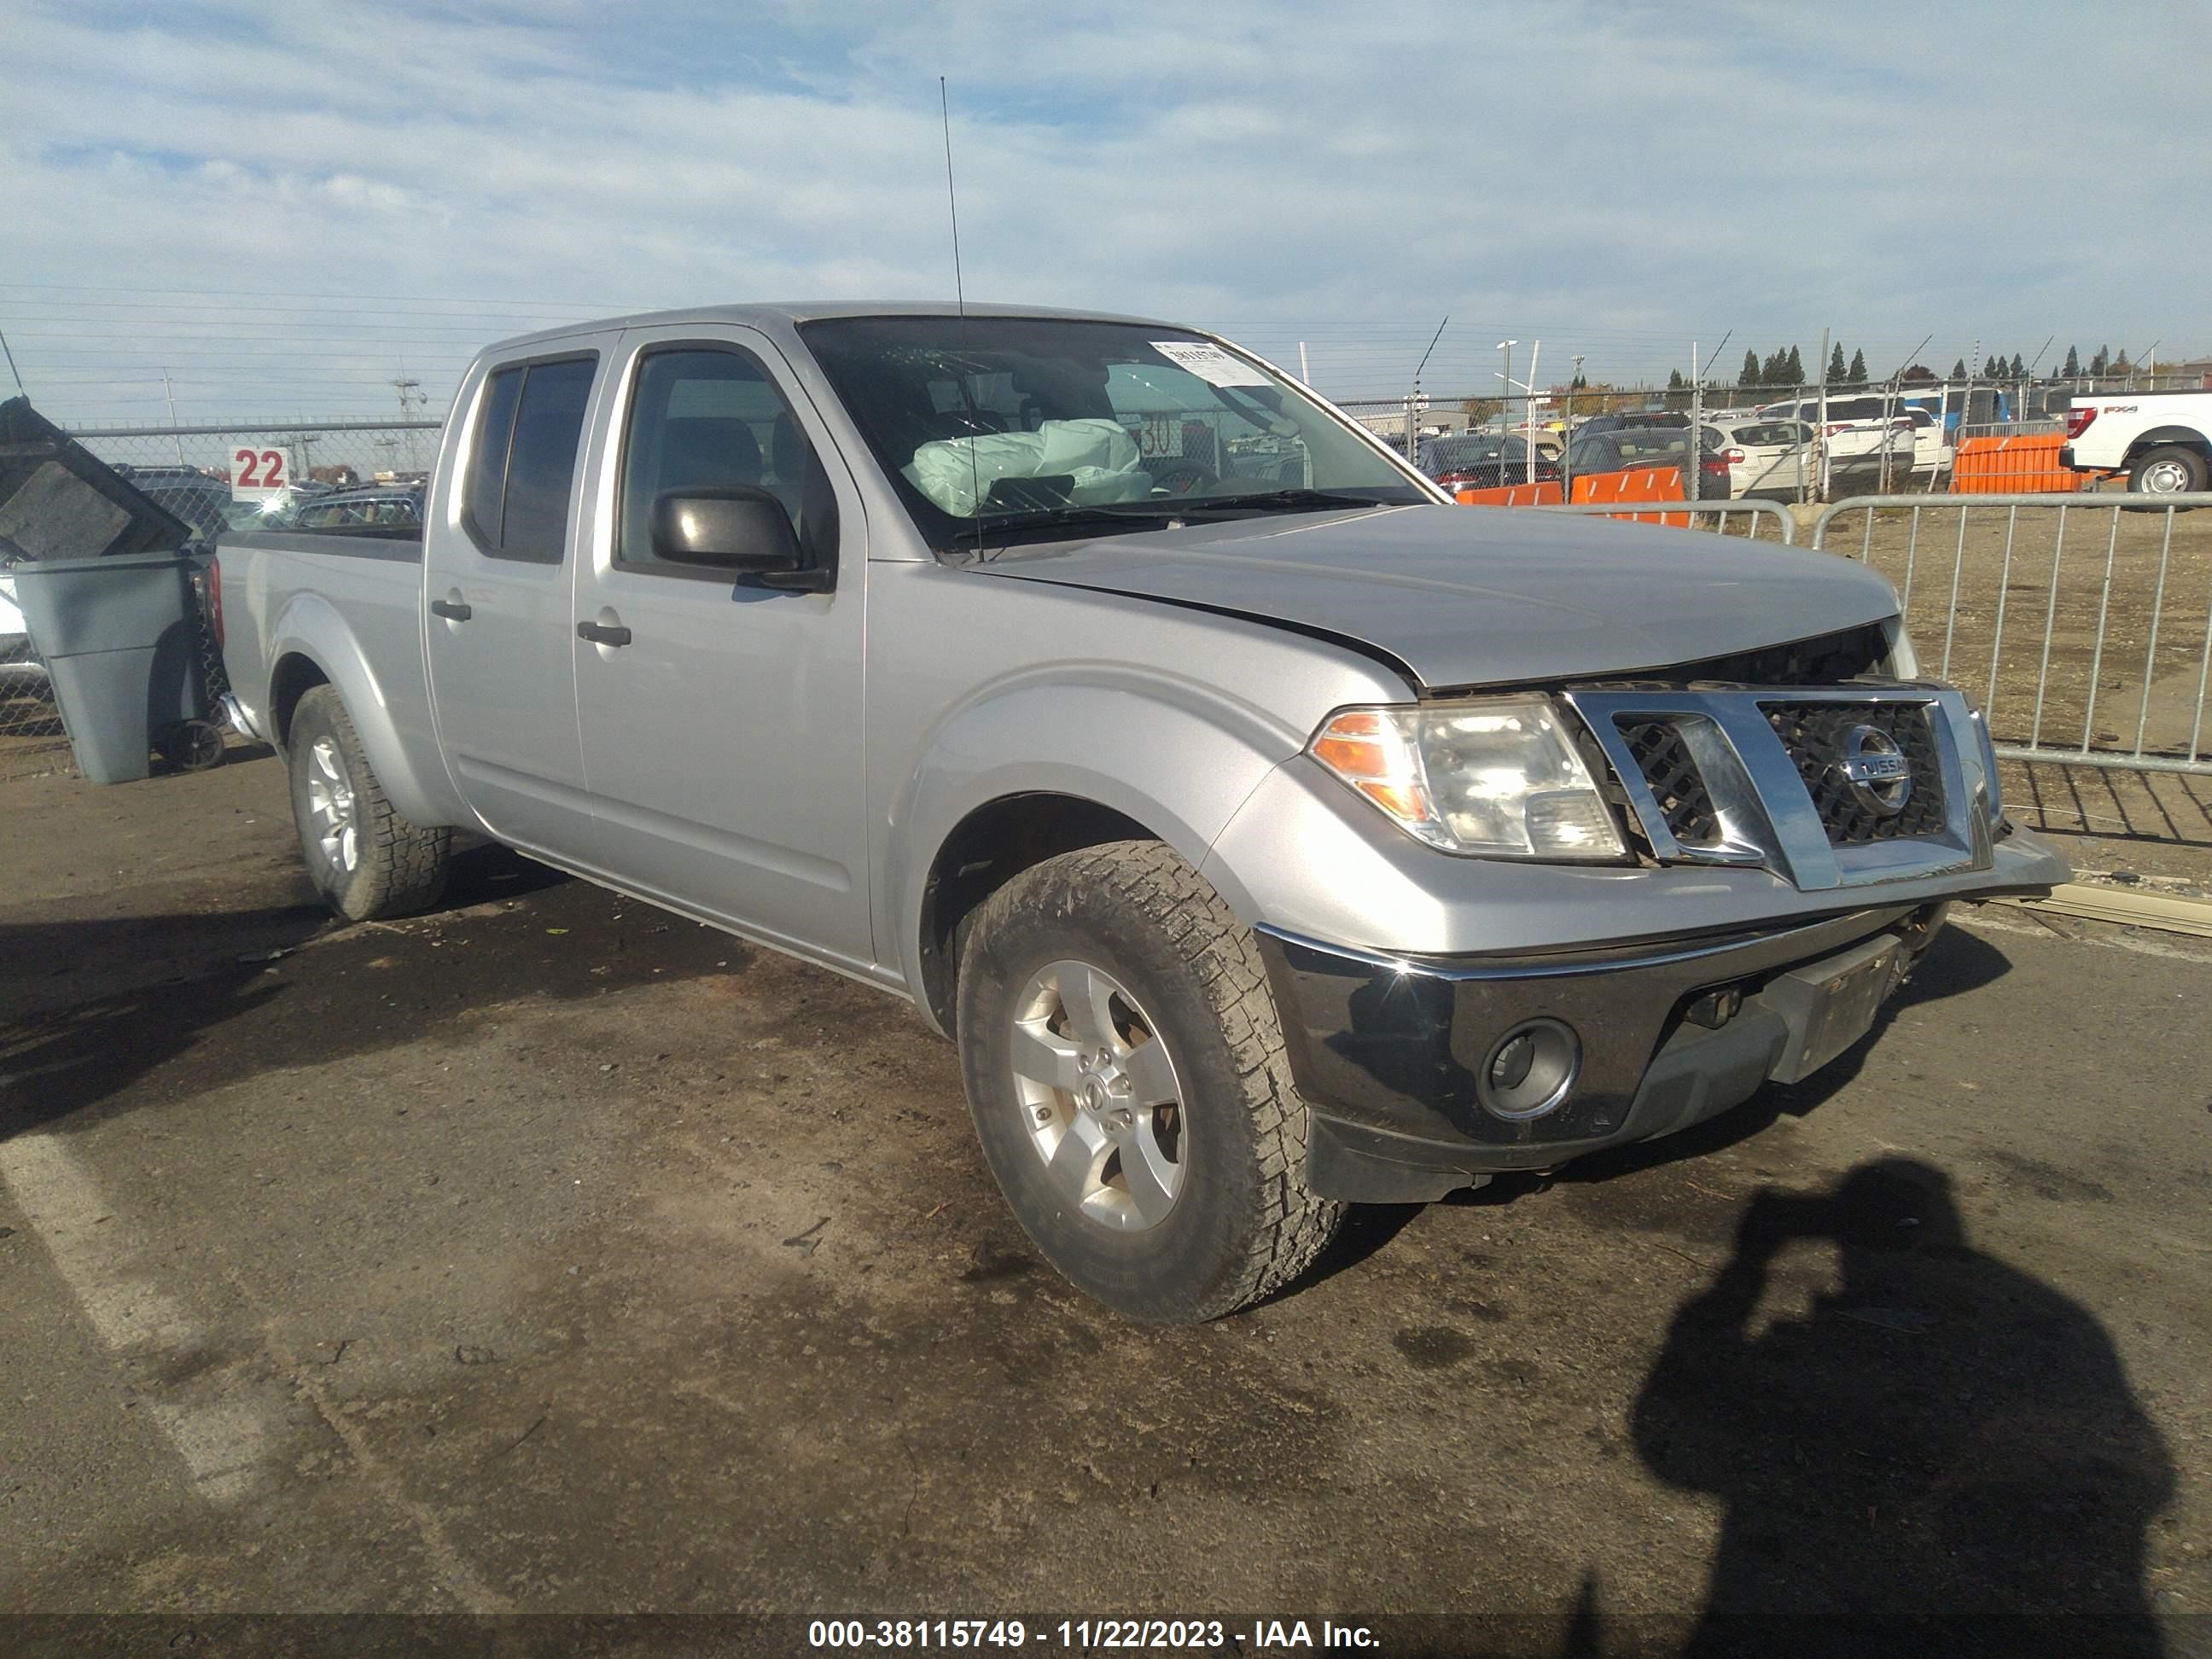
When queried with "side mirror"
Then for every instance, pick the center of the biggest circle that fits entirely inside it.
(734, 527)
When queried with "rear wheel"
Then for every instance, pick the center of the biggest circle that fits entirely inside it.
(1126, 1070)
(366, 860)
(2169, 470)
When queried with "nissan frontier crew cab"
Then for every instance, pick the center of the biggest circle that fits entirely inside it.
(1269, 833)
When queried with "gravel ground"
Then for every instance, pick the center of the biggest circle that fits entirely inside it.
(550, 1254)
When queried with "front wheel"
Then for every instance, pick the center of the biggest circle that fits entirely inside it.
(1126, 1070)
(366, 860)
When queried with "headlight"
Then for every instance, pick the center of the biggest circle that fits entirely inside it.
(1903, 661)
(1989, 757)
(1498, 777)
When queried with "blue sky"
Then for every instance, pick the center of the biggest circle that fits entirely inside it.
(286, 205)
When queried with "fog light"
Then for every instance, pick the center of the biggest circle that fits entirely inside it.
(1529, 1069)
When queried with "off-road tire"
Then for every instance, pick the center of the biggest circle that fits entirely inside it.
(2192, 465)
(1244, 1223)
(400, 867)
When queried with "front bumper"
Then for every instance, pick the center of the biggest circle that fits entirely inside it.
(1385, 1049)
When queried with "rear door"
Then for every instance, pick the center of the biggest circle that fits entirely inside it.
(722, 735)
(499, 593)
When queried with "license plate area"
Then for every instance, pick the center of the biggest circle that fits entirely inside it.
(1830, 1003)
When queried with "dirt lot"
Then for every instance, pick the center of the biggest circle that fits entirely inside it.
(550, 1254)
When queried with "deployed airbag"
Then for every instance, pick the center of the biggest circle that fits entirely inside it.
(1098, 454)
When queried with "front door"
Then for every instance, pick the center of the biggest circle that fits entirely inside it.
(499, 591)
(721, 722)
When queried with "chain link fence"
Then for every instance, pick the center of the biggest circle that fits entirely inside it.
(215, 477)
(1806, 443)
(211, 477)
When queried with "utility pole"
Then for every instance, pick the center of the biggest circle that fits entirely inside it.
(1528, 415)
(169, 394)
(1820, 427)
(2148, 360)
(10, 354)
(1696, 424)
(1305, 376)
(1416, 402)
(1567, 437)
(411, 398)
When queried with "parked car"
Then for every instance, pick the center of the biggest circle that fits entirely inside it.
(1773, 460)
(19, 667)
(1486, 460)
(1597, 423)
(1861, 432)
(389, 508)
(1630, 449)
(203, 503)
(1263, 849)
(147, 477)
(2161, 440)
(1932, 448)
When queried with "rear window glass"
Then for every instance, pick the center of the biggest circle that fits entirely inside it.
(549, 424)
(525, 461)
(482, 500)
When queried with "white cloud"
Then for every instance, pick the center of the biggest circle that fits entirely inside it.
(1618, 178)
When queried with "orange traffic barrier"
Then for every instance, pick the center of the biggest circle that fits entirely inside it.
(1642, 483)
(1545, 494)
(1993, 466)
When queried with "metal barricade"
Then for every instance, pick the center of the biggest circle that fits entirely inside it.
(2082, 623)
(1749, 515)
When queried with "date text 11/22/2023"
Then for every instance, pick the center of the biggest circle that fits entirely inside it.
(1089, 1635)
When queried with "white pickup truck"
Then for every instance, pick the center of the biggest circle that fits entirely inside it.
(2161, 440)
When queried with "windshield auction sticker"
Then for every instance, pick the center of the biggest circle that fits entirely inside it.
(1209, 362)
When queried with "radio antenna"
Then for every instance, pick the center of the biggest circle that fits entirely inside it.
(960, 300)
(952, 200)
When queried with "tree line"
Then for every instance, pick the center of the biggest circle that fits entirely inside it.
(1783, 367)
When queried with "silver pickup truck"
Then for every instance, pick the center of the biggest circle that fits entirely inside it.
(1269, 833)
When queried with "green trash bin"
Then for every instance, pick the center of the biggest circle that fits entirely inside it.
(119, 637)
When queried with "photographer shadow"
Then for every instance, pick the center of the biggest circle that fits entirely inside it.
(1938, 1431)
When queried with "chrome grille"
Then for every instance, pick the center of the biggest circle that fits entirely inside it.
(1817, 734)
(1676, 784)
(1748, 775)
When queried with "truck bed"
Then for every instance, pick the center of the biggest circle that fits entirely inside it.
(306, 589)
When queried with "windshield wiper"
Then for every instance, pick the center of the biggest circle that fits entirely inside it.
(1152, 510)
(1118, 514)
(1291, 500)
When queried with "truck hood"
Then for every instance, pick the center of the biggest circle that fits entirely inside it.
(1465, 596)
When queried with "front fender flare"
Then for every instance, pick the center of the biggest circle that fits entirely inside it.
(1171, 755)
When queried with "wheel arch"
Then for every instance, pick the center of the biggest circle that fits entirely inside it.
(2161, 437)
(992, 845)
(295, 675)
(314, 646)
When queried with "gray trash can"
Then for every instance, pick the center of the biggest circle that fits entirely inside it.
(118, 638)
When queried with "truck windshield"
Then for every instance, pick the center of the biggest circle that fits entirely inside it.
(995, 428)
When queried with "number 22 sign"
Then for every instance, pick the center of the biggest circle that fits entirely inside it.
(258, 474)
